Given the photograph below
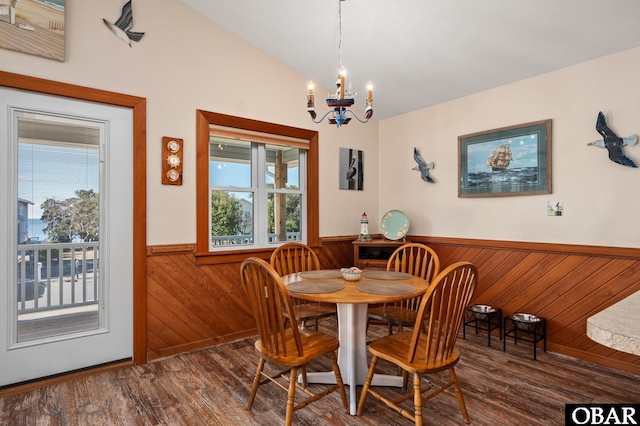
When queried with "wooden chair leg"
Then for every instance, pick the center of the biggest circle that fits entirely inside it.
(405, 380)
(291, 395)
(339, 382)
(417, 399)
(367, 384)
(303, 371)
(456, 386)
(256, 383)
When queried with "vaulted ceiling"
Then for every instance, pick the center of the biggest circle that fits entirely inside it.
(419, 53)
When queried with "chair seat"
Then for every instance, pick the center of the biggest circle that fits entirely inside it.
(395, 347)
(314, 345)
(393, 314)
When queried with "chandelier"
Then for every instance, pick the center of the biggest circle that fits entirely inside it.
(340, 101)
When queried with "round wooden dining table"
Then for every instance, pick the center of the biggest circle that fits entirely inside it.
(352, 299)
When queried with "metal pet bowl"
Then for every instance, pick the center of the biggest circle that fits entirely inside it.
(525, 317)
(483, 309)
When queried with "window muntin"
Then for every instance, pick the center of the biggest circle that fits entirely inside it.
(272, 209)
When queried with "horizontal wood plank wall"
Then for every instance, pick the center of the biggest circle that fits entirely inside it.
(191, 306)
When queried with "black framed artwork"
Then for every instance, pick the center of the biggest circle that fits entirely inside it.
(351, 173)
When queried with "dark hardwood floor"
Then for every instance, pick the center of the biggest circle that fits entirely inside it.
(211, 387)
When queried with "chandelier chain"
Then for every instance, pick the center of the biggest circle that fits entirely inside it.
(343, 98)
(339, 34)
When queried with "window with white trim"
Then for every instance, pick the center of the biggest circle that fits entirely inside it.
(257, 190)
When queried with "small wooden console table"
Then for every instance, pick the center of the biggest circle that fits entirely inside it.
(374, 254)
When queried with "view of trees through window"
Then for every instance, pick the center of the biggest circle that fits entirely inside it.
(72, 219)
(228, 217)
(292, 216)
(226, 214)
(53, 206)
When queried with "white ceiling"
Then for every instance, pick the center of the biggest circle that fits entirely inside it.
(419, 53)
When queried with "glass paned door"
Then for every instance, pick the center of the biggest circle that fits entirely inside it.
(66, 273)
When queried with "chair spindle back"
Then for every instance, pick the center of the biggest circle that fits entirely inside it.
(271, 306)
(294, 257)
(415, 259)
(442, 310)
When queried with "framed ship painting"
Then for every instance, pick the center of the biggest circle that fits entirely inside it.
(33, 26)
(513, 160)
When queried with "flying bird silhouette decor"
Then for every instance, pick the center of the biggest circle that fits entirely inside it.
(422, 166)
(123, 25)
(613, 143)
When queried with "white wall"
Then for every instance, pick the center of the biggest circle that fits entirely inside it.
(186, 62)
(601, 202)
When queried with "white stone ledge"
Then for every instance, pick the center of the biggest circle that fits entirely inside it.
(618, 326)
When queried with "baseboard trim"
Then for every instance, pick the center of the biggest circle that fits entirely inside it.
(199, 345)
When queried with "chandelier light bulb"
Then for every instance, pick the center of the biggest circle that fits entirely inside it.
(341, 82)
(311, 102)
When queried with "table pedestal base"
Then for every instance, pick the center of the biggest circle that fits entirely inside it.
(352, 354)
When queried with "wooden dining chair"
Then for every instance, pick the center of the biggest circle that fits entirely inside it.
(280, 341)
(415, 259)
(429, 350)
(297, 257)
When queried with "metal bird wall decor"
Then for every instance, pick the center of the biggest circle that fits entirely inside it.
(613, 143)
(123, 25)
(422, 166)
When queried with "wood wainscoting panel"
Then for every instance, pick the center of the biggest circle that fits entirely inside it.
(562, 283)
(193, 305)
(336, 253)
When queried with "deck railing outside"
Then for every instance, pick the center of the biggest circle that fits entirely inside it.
(57, 276)
(65, 275)
(230, 240)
